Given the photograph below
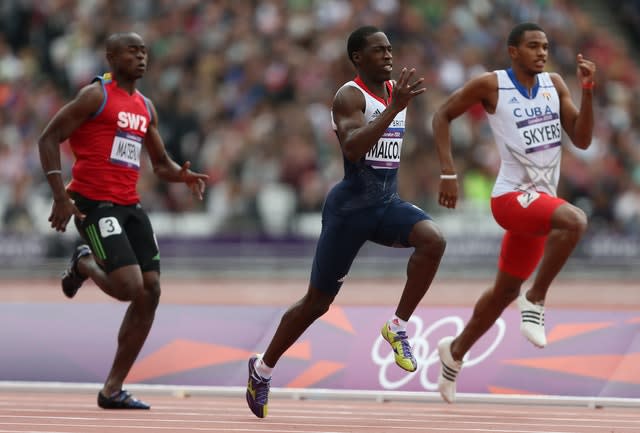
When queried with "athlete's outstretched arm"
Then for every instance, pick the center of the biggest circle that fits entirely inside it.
(480, 90)
(61, 126)
(578, 124)
(166, 168)
(355, 135)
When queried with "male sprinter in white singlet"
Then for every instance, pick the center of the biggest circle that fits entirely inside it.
(368, 116)
(527, 110)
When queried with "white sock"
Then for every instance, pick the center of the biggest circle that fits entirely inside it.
(397, 324)
(263, 369)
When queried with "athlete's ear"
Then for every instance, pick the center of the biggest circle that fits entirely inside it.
(109, 56)
(356, 56)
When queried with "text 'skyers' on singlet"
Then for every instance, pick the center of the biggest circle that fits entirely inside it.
(107, 147)
(373, 179)
(528, 134)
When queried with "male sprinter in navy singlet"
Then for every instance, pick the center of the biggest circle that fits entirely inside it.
(368, 115)
(527, 109)
(107, 124)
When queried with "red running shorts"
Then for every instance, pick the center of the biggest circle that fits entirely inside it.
(526, 217)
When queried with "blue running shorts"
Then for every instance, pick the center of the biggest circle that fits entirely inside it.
(344, 233)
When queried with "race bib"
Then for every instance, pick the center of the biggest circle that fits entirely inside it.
(109, 226)
(126, 149)
(540, 133)
(386, 152)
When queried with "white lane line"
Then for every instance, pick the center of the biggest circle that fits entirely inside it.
(211, 411)
(460, 425)
(348, 429)
(333, 394)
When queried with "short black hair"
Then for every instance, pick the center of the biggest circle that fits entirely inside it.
(114, 40)
(358, 39)
(515, 37)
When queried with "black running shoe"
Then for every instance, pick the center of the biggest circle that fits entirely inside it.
(72, 279)
(121, 400)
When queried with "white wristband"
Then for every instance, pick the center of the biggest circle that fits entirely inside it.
(448, 176)
(53, 172)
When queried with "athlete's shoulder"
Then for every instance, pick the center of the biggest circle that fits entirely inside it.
(348, 87)
(484, 82)
(92, 92)
(96, 85)
(555, 78)
(489, 77)
(348, 94)
(91, 97)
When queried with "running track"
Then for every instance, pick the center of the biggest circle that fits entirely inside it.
(64, 410)
(74, 412)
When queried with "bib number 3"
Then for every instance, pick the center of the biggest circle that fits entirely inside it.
(109, 226)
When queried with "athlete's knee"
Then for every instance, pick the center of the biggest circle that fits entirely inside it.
(572, 219)
(129, 290)
(429, 240)
(152, 293)
(316, 303)
(580, 221)
(506, 287)
(125, 283)
(506, 294)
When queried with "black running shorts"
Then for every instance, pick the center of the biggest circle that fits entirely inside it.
(118, 235)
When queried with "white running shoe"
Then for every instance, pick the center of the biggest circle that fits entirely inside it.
(532, 323)
(449, 369)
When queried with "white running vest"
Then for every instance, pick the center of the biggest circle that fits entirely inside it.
(528, 134)
(385, 154)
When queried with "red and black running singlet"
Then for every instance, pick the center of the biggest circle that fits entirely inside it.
(107, 147)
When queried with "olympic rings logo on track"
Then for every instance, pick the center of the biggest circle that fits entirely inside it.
(426, 352)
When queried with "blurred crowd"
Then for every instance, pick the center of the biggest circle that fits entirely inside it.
(243, 91)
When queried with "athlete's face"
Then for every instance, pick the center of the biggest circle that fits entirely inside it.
(375, 59)
(130, 58)
(532, 52)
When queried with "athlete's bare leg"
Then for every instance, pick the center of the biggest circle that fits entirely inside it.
(429, 245)
(134, 330)
(143, 291)
(122, 284)
(488, 308)
(568, 224)
(295, 321)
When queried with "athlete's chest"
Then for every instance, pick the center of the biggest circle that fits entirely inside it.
(535, 120)
(128, 117)
(385, 153)
(126, 113)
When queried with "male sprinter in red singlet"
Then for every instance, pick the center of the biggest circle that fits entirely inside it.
(368, 116)
(527, 109)
(107, 125)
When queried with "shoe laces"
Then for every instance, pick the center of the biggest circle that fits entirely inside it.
(262, 389)
(401, 336)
